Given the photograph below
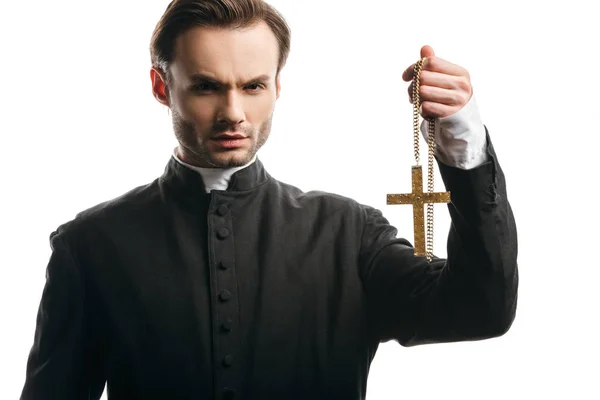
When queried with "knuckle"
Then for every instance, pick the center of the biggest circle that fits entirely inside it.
(464, 84)
(423, 93)
(458, 98)
(468, 97)
(427, 107)
(431, 63)
(464, 98)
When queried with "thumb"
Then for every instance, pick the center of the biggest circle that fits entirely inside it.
(427, 51)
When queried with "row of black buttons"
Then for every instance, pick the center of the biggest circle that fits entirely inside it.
(222, 233)
(225, 295)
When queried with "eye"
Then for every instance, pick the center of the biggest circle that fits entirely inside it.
(255, 86)
(204, 87)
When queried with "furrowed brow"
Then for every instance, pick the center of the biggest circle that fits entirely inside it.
(259, 79)
(195, 78)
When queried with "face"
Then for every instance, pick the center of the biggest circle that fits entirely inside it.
(222, 94)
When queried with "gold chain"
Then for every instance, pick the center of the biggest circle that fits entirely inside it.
(431, 144)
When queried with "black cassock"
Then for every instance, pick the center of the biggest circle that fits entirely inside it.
(260, 291)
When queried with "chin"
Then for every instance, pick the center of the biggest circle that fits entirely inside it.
(231, 159)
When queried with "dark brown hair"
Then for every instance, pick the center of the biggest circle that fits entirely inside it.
(182, 15)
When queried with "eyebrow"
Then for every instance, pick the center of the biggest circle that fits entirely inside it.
(195, 78)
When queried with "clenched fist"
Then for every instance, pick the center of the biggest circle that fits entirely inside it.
(445, 88)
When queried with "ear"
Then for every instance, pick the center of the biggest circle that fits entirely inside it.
(278, 86)
(159, 87)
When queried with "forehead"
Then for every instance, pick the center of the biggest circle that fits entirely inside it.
(226, 54)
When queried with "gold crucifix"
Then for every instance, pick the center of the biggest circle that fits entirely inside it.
(418, 199)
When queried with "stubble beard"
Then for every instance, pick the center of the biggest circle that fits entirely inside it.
(195, 152)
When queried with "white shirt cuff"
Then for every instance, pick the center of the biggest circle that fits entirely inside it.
(460, 138)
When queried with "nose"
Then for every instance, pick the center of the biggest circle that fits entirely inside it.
(231, 110)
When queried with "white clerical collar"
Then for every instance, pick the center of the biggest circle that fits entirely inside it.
(214, 178)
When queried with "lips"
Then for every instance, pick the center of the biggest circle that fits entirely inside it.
(227, 136)
(229, 141)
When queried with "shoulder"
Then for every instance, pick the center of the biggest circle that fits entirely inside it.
(113, 212)
(338, 213)
(323, 201)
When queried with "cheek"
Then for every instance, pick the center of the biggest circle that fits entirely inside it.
(260, 108)
(196, 111)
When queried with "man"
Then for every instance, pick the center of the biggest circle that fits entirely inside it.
(218, 281)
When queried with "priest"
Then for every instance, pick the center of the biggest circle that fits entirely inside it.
(218, 281)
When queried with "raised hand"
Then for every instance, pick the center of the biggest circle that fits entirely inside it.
(445, 88)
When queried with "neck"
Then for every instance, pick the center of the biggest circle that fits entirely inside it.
(213, 178)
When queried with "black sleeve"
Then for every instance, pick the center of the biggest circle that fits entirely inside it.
(472, 295)
(64, 361)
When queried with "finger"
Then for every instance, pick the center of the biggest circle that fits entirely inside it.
(437, 79)
(435, 64)
(448, 97)
(442, 66)
(427, 51)
(408, 73)
(431, 109)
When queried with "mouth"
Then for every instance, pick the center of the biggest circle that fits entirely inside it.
(230, 141)
(229, 136)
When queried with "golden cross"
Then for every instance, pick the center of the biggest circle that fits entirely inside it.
(418, 199)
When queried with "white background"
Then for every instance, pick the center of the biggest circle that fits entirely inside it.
(79, 126)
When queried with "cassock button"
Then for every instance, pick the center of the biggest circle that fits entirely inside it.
(227, 324)
(228, 394)
(224, 265)
(225, 295)
(222, 210)
(228, 360)
(222, 233)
